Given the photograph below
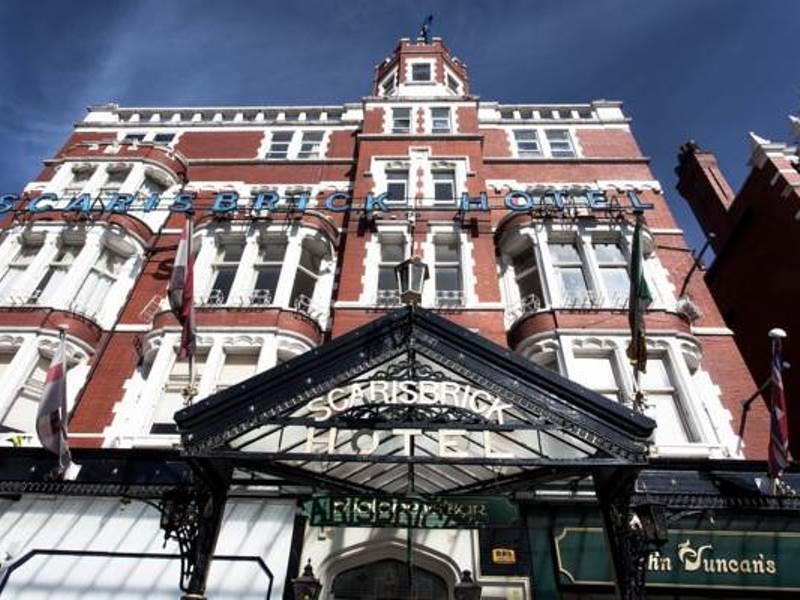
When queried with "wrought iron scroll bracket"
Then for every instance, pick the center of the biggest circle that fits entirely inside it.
(630, 542)
(192, 517)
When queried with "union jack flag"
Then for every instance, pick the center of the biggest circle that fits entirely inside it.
(779, 457)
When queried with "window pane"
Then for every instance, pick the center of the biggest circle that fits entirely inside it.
(310, 260)
(396, 191)
(222, 283)
(448, 278)
(616, 283)
(393, 251)
(443, 192)
(21, 414)
(266, 280)
(171, 399)
(609, 253)
(573, 284)
(421, 72)
(596, 373)
(524, 260)
(164, 138)
(232, 252)
(657, 375)
(237, 368)
(273, 250)
(447, 250)
(303, 285)
(564, 253)
(672, 426)
(282, 136)
(529, 285)
(387, 278)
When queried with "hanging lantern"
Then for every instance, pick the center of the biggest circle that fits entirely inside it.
(411, 277)
(306, 587)
(466, 589)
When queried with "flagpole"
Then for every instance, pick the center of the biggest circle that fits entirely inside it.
(191, 390)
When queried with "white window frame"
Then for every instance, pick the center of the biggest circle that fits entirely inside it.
(389, 297)
(389, 79)
(441, 129)
(417, 64)
(394, 119)
(313, 148)
(442, 176)
(556, 147)
(448, 298)
(395, 176)
(273, 144)
(532, 152)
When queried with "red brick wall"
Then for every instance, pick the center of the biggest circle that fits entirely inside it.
(222, 144)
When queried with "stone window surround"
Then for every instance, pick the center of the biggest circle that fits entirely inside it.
(700, 398)
(544, 143)
(583, 236)
(372, 258)
(419, 158)
(297, 127)
(93, 239)
(208, 239)
(136, 410)
(28, 347)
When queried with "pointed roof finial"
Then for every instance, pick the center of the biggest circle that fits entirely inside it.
(425, 29)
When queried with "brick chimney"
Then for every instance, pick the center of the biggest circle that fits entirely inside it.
(705, 188)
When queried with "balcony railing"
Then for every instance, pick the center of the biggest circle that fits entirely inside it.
(387, 298)
(449, 298)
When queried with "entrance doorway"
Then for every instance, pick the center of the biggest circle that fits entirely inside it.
(388, 580)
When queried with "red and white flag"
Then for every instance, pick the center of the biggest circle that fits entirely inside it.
(779, 456)
(181, 289)
(51, 418)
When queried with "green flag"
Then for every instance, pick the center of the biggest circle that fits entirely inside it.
(640, 299)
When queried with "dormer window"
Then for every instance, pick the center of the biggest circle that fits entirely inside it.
(388, 86)
(421, 72)
(452, 84)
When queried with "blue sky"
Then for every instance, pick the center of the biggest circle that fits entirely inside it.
(710, 70)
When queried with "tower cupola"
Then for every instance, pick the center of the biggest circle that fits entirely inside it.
(421, 69)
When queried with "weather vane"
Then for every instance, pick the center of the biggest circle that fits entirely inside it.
(425, 29)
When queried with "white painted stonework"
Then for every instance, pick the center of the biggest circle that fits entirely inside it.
(110, 549)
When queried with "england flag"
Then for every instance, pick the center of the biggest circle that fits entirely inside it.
(51, 418)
